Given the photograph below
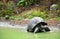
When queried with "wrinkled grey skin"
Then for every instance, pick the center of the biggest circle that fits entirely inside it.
(36, 24)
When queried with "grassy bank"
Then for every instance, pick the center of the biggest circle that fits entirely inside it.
(11, 33)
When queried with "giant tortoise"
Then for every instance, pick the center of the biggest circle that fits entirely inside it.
(37, 24)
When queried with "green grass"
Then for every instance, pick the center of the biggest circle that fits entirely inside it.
(58, 18)
(12, 33)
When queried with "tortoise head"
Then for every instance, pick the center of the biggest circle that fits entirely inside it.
(43, 23)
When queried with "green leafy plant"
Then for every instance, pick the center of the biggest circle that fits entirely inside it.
(27, 2)
(21, 3)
